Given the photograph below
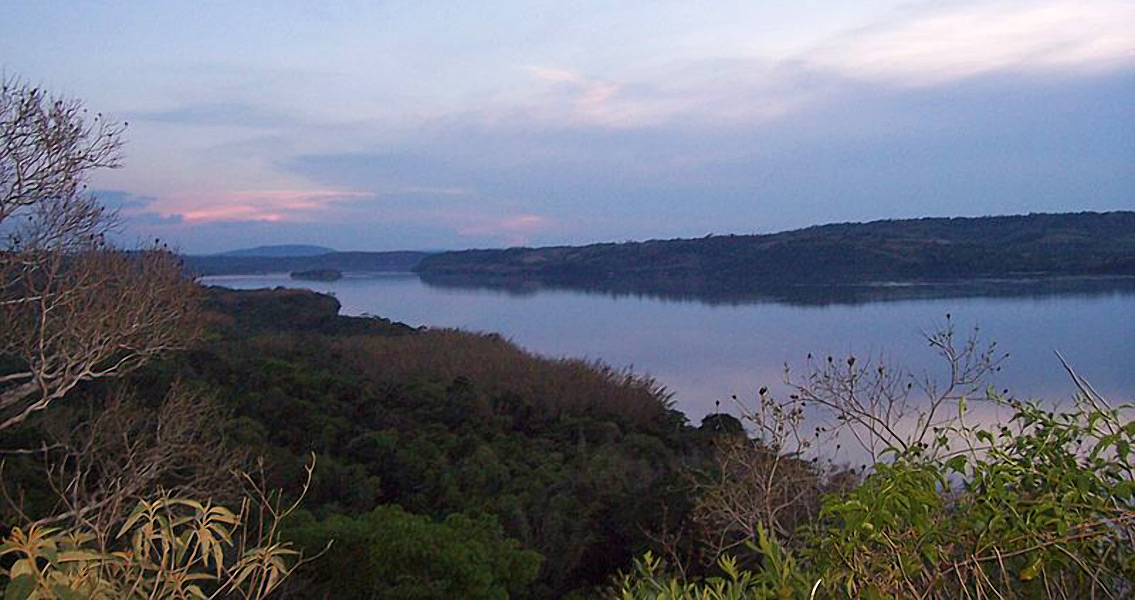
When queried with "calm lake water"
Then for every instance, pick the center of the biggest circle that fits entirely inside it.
(705, 353)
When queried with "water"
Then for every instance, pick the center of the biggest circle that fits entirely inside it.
(706, 353)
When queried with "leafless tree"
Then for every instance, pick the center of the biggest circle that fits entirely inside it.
(886, 407)
(763, 479)
(48, 144)
(774, 477)
(74, 308)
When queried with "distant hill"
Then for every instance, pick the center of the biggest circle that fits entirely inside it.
(914, 250)
(280, 251)
(402, 261)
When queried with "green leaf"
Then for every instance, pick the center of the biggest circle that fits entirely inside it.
(19, 588)
(80, 556)
(66, 593)
(930, 553)
(131, 520)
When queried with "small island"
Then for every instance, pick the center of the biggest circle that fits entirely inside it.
(318, 275)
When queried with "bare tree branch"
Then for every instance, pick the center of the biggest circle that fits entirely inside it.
(98, 314)
(47, 146)
(74, 308)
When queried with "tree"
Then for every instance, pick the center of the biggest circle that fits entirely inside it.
(74, 307)
(49, 145)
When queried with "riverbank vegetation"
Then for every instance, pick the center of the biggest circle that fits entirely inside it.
(1038, 505)
(791, 264)
(551, 472)
(455, 464)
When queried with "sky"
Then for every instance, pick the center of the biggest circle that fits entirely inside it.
(442, 125)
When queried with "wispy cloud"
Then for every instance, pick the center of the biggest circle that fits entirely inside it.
(222, 114)
(515, 230)
(122, 200)
(941, 42)
(922, 45)
(590, 100)
(251, 205)
(424, 190)
(232, 213)
(678, 126)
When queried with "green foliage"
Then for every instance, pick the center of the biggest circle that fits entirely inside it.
(1042, 507)
(576, 461)
(167, 548)
(877, 536)
(389, 553)
(778, 579)
(457, 465)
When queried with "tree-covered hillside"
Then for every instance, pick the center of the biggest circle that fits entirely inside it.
(930, 249)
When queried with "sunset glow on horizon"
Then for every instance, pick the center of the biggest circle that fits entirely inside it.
(440, 125)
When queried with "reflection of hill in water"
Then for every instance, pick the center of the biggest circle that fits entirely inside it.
(812, 294)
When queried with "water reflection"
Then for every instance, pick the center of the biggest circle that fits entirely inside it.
(808, 294)
(707, 351)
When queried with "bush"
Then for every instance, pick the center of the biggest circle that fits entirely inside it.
(1041, 506)
(389, 553)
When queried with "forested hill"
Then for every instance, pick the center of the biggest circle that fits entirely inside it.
(929, 249)
(243, 264)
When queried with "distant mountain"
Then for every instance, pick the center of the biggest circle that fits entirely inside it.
(280, 251)
(227, 264)
(1035, 246)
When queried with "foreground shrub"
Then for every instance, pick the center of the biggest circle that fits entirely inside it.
(169, 548)
(1041, 505)
(166, 547)
(389, 553)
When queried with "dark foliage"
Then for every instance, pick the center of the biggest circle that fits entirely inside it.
(390, 554)
(784, 265)
(575, 461)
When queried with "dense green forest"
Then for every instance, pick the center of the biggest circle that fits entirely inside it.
(1032, 246)
(447, 462)
(574, 461)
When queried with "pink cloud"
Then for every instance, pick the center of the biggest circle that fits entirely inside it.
(251, 205)
(515, 230)
(230, 213)
(593, 100)
(556, 75)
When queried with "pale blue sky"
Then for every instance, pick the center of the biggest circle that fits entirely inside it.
(366, 125)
